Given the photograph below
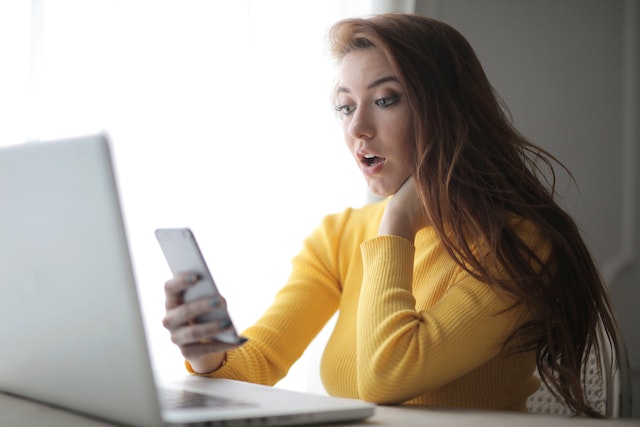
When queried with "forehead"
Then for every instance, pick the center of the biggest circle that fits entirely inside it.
(360, 68)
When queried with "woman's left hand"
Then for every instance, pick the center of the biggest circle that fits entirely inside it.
(404, 214)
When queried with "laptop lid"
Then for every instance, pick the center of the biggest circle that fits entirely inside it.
(71, 327)
(71, 332)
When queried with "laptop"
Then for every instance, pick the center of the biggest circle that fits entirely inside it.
(71, 329)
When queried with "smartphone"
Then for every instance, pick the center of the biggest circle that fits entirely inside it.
(184, 256)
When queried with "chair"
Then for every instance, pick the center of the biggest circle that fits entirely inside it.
(608, 392)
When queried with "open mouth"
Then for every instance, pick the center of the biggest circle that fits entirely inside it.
(371, 160)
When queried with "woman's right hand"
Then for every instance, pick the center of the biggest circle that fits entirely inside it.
(194, 339)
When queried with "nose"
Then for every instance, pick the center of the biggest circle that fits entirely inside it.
(361, 125)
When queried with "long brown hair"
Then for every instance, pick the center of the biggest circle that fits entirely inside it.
(475, 173)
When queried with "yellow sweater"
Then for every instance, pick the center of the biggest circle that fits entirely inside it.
(413, 327)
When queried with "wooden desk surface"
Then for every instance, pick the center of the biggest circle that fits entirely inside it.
(16, 412)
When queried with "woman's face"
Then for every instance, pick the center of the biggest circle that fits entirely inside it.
(375, 120)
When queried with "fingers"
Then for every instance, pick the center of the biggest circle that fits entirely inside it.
(199, 332)
(195, 340)
(187, 312)
(174, 288)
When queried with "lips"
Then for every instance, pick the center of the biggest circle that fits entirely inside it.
(370, 160)
(370, 163)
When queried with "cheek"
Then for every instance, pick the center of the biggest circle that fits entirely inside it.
(347, 139)
(406, 149)
(345, 126)
(409, 157)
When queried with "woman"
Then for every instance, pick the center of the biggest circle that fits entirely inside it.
(461, 281)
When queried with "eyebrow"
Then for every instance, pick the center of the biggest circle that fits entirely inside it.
(371, 85)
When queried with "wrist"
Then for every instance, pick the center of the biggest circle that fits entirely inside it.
(392, 225)
(207, 364)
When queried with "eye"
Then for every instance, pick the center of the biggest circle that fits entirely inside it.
(387, 101)
(345, 109)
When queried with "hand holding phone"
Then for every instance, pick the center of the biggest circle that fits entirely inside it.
(184, 256)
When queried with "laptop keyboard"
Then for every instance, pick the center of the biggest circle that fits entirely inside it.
(181, 399)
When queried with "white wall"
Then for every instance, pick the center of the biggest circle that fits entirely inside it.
(568, 70)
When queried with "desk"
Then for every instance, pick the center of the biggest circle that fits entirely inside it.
(16, 412)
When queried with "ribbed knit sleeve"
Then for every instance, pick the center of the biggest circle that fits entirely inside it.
(403, 352)
(298, 313)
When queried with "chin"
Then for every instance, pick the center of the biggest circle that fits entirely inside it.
(381, 193)
(384, 188)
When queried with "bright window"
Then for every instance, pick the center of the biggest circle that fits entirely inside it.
(220, 119)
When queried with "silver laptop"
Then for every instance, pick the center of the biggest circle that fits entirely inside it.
(71, 330)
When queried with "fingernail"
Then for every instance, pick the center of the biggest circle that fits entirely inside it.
(214, 302)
